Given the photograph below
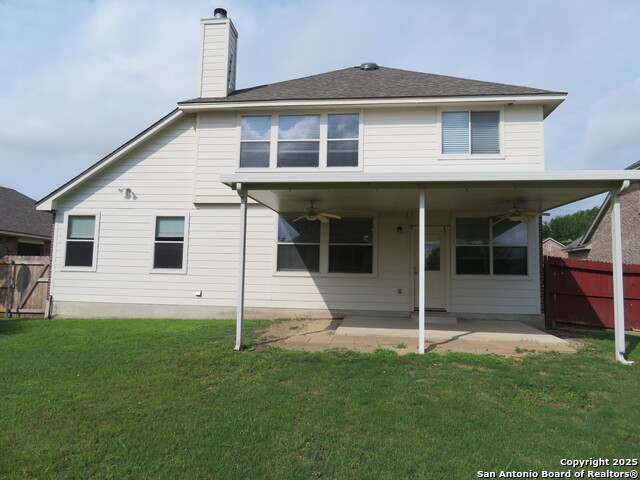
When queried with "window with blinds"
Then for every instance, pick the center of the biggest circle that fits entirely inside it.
(475, 133)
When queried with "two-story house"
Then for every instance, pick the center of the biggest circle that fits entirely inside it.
(367, 190)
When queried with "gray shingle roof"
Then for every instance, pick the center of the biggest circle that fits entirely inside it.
(18, 214)
(355, 83)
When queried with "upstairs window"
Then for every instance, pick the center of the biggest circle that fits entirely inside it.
(342, 140)
(255, 138)
(483, 248)
(299, 141)
(169, 243)
(80, 241)
(473, 133)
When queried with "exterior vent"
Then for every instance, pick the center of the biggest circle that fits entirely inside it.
(219, 13)
(369, 66)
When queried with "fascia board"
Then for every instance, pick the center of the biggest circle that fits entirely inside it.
(48, 203)
(496, 178)
(521, 99)
(25, 235)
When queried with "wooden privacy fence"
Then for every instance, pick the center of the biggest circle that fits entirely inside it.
(581, 292)
(24, 284)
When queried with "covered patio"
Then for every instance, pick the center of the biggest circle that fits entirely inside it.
(472, 193)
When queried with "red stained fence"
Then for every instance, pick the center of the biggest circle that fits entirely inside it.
(581, 292)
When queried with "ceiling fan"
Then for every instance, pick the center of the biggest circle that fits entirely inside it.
(516, 214)
(312, 213)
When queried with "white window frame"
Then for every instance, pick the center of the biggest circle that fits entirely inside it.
(96, 231)
(300, 140)
(241, 141)
(324, 252)
(472, 156)
(477, 276)
(324, 130)
(185, 244)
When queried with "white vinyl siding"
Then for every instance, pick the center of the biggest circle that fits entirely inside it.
(183, 163)
(217, 153)
(218, 44)
(123, 273)
(408, 140)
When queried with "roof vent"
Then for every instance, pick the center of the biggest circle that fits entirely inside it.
(219, 13)
(369, 66)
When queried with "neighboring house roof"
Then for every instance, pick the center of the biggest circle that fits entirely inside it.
(18, 215)
(383, 82)
(549, 239)
(583, 242)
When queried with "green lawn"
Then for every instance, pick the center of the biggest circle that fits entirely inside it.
(154, 399)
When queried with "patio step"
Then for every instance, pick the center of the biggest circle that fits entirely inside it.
(438, 318)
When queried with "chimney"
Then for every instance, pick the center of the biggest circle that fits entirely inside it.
(217, 56)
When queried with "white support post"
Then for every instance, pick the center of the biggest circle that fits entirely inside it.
(241, 265)
(618, 280)
(421, 273)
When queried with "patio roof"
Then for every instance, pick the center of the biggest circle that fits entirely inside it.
(470, 192)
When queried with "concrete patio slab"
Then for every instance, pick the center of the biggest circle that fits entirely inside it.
(472, 330)
(487, 337)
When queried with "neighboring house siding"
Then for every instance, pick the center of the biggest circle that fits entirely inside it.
(551, 248)
(600, 250)
(11, 243)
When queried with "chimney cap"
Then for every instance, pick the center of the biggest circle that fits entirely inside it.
(219, 13)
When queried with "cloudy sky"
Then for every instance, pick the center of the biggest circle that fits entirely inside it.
(78, 78)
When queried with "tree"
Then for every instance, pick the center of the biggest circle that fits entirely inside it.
(566, 228)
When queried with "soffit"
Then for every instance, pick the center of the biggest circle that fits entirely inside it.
(472, 193)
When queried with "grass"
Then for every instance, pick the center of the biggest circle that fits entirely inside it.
(164, 399)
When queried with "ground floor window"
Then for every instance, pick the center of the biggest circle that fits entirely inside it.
(80, 241)
(342, 245)
(298, 245)
(486, 247)
(169, 243)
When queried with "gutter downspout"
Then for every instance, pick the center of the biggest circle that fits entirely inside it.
(618, 278)
(241, 265)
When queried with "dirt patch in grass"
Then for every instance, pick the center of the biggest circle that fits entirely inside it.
(278, 332)
(318, 335)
